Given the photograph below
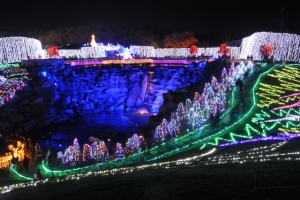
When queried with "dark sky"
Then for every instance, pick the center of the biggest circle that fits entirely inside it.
(239, 18)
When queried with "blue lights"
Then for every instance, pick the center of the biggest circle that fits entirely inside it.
(44, 73)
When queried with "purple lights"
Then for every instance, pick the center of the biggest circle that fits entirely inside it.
(290, 95)
(86, 62)
(280, 136)
(135, 61)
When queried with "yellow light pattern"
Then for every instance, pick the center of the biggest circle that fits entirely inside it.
(290, 130)
(288, 81)
(127, 61)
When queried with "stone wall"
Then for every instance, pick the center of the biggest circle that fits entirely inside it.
(93, 89)
(58, 92)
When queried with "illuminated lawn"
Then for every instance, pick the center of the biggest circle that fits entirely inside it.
(201, 178)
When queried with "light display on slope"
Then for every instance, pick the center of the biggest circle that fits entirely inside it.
(288, 106)
(11, 81)
(210, 103)
(96, 151)
(119, 153)
(286, 118)
(280, 136)
(163, 131)
(271, 93)
(290, 95)
(86, 155)
(102, 152)
(134, 145)
(247, 155)
(268, 95)
(72, 153)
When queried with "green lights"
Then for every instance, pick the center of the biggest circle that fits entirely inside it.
(228, 134)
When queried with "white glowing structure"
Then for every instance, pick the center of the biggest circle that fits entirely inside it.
(111, 48)
(84, 52)
(127, 54)
(148, 52)
(142, 51)
(13, 49)
(93, 42)
(286, 46)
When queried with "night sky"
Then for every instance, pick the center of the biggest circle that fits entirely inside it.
(226, 17)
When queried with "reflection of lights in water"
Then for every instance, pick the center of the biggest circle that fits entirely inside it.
(142, 111)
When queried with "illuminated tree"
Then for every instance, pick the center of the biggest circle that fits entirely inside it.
(119, 152)
(53, 51)
(224, 51)
(266, 50)
(193, 50)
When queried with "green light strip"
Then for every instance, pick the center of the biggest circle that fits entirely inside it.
(20, 175)
(213, 137)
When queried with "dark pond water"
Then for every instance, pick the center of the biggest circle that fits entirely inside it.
(117, 126)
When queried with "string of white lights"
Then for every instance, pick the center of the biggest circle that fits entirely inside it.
(13, 49)
(285, 45)
(248, 155)
(144, 51)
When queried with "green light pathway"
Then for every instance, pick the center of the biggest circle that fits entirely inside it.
(209, 134)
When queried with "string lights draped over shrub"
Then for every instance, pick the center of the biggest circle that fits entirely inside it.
(211, 103)
(98, 151)
(11, 81)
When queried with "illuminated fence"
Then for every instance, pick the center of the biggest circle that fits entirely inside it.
(5, 161)
(286, 47)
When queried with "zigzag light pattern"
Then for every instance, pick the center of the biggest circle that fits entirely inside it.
(284, 120)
